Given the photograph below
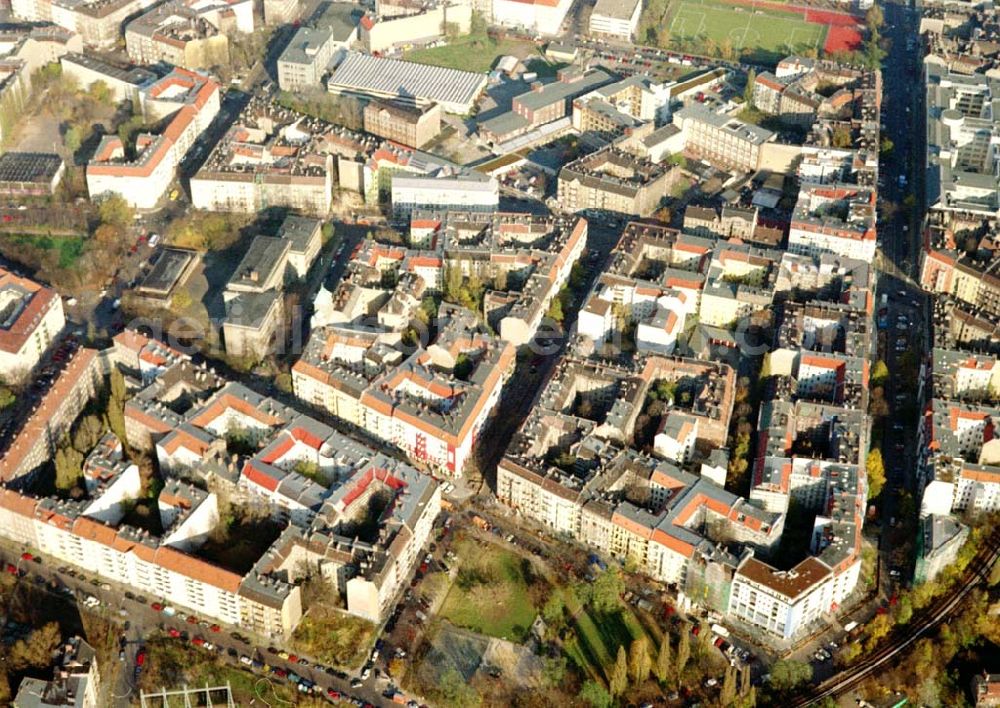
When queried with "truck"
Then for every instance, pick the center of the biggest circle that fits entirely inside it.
(720, 630)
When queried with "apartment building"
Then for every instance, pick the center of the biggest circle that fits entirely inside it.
(780, 602)
(427, 400)
(406, 125)
(838, 219)
(303, 473)
(613, 180)
(32, 320)
(270, 156)
(459, 191)
(35, 441)
(75, 682)
(98, 22)
(191, 35)
(191, 100)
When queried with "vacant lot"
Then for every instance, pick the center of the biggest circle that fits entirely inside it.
(472, 53)
(747, 31)
(333, 637)
(495, 593)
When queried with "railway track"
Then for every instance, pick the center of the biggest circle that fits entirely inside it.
(976, 574)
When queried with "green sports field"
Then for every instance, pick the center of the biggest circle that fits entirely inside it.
(748, 31)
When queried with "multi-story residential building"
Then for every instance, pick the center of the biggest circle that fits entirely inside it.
(461, 191)
(124, 84)
(568, 467)
(939, 539)
(837, 219)
(32, 319)
(302, 472)
(721, 139)
(191, 101)
(425, 399)
(34, 442)
(186, 33)
(780, 602)
(270, 156)
(412, 126)
(98, 22)
(613, 180)
(616, 18)
(75, 682)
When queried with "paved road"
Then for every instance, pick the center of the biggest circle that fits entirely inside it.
(145, 622)
(976, 573)
(904, 318)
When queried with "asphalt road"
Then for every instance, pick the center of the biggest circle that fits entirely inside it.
(144, 622)
(977, 572)
(904, 319)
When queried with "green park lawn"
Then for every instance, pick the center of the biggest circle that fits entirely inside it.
(491, 594)
(471, 53)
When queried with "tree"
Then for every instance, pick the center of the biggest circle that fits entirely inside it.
(115, 210)
(595, 694)
(786, 674)
(748, 91)
(904, 611)
(455, 690)
(607, 590)
(88, 433)
(876, 473)
(116, 405)
(638, 660)
(880, 373)
(69, 468)
(683, 651)
(73, 138)
(874, 19)
(842, 137)
(726, 49)
(618, 680)
(552, 610)
(555, 310)
(100, 92)
(36, 650)
(663, 660)
(728, 687)
(554, 669)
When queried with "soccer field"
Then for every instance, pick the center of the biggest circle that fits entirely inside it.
(757, 33)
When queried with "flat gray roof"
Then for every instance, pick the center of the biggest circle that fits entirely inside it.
(618, 9)
(364, 73)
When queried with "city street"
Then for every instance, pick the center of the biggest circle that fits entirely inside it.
(902, 322)
(118, 605)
